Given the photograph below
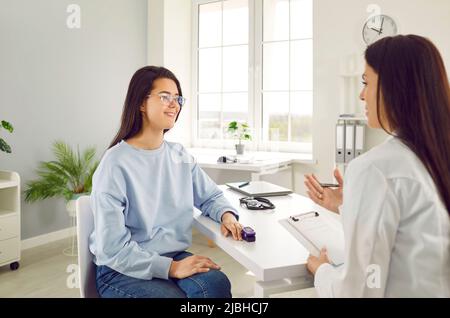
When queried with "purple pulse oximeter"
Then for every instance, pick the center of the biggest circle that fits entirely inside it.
(248, 234)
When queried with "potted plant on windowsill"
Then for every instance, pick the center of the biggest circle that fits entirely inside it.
(4, 147)
(239, 131)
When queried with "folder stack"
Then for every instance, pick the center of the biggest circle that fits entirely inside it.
(340, 142)
(350, 140)
(359, 139)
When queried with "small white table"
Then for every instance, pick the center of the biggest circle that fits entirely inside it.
(263, 162)
(10, 219)
(277, 259)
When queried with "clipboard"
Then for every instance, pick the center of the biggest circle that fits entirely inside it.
(314, 231)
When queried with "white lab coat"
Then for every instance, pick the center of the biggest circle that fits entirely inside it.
(396, 229)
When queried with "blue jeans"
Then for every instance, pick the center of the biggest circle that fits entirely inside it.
(212, 284)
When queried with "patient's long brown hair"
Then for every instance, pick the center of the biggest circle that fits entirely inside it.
(414, 86)
(140, 86)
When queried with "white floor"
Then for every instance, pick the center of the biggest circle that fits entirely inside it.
(43, 272)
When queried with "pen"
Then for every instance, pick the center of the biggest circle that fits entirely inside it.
(329, 185)
(243, 184)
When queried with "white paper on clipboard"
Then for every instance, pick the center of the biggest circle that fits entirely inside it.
(314, 231)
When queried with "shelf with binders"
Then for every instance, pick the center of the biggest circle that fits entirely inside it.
(350, 139)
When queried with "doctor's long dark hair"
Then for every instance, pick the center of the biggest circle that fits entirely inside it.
(140, 86)
(414, 86)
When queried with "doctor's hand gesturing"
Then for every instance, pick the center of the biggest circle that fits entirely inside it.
(328, 198)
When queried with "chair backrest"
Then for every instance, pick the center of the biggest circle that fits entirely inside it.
(86, 266)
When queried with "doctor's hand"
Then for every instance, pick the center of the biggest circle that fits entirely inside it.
(231, 226)
(315, 262)
(328, 198)
(191, 265)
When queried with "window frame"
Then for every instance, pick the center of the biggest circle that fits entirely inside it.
(255, 87)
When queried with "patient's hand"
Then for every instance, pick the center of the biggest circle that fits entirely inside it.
(328, 198)
(231, 225)
(191, 265)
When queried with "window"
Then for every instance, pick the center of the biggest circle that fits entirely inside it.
(253, 63)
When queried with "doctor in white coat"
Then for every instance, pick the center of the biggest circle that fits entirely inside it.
(395, 199)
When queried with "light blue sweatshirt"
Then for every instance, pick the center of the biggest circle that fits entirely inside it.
(143, 204)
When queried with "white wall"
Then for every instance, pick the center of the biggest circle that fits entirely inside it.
(172, 23)
(57, 83)
(337, 35)
(155, 32)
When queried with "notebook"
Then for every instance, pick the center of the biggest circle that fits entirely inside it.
(258, 188)
(314, 231)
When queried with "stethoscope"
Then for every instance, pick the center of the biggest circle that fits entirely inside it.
(256, 203)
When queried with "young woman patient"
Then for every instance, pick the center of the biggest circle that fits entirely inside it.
(143, 196)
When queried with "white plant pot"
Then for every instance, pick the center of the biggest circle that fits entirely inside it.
(70, 207)
(71, 210)
(240, 149)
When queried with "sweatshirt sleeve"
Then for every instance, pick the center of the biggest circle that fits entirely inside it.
(370, 217)
(208, 198)
(113, 245)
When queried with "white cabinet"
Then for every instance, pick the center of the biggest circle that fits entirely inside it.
(9, 219)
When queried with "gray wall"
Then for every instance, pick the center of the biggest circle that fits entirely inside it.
(61, 83)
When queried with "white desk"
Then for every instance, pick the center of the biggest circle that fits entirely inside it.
(263, 162)
(277, 259)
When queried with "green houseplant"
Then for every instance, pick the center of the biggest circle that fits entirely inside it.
(239, 131)
(69, 176)
(3, 145)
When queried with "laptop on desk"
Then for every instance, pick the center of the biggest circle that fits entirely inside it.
(258, 188)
